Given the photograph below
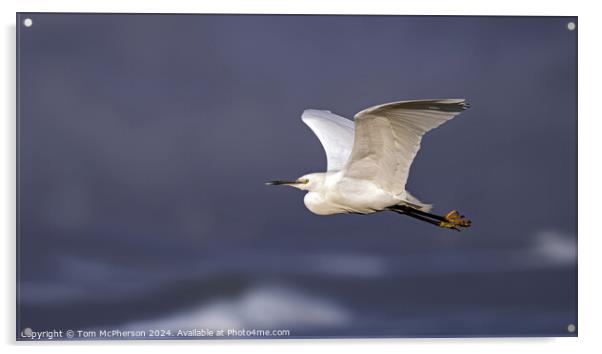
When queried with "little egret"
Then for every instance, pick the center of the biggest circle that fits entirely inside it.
(368, 160)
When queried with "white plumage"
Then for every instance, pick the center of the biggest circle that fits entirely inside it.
(335, 134)
(369, 159)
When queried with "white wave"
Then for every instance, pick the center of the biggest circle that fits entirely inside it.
(556, 247)
(262, 307)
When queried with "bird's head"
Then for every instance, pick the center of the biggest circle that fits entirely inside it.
(307, 182)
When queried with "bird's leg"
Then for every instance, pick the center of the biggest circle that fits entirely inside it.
(423, 213)
(406, 211)
(453, 217)
(450, 220)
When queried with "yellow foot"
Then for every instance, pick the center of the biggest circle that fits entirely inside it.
(453, 219)
(448, 225)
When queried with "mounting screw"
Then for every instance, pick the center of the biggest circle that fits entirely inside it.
(28, 22)
(571, 26)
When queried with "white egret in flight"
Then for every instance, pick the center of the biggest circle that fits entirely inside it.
(369, 160)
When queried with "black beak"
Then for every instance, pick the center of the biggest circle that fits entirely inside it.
(278, 183)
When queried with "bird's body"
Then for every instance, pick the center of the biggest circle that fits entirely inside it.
(340, 194)
(369, 159)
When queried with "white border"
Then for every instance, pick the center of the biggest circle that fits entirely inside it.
(589, 170)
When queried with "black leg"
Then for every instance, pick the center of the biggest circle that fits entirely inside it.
(426, 217)
(408, 212)
(424, 213)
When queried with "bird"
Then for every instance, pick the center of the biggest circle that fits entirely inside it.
(369, 160)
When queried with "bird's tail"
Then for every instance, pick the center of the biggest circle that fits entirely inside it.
(415, 203)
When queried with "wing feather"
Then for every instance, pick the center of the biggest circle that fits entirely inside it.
(388, 136)
(334, 132)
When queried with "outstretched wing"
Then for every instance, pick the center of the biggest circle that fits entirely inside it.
(387, 138)
(335, 134)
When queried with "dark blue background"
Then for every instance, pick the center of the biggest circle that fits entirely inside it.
(145, 140)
